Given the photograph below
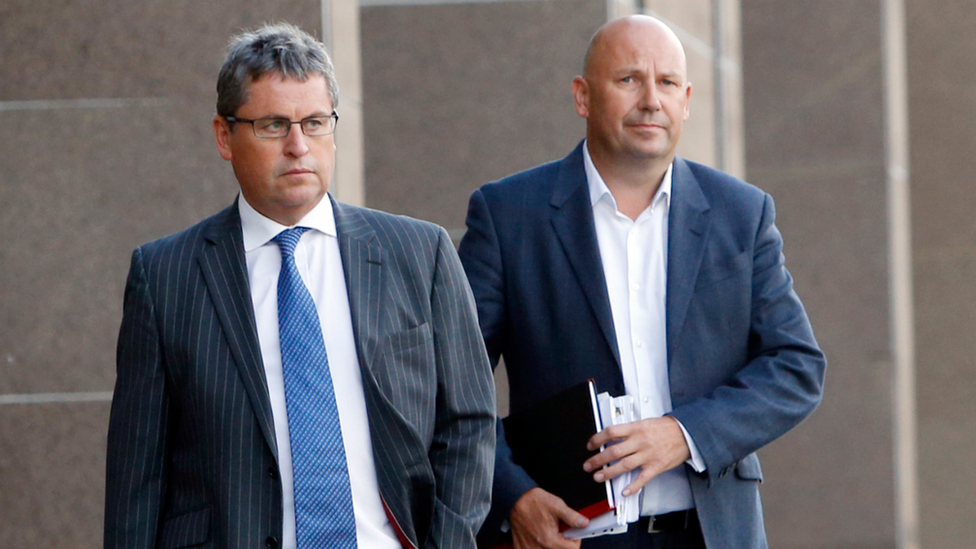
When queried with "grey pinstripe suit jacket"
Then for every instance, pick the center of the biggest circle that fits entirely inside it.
(192, 459)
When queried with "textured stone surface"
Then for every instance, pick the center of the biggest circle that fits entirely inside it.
(66, 49)
(473, 92)
(52, 474)
(691, 16)
(815, 141)
(698, 134)
(942, 88)
(81, 189)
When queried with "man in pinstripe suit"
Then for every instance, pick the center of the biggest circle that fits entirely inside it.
(199, 453)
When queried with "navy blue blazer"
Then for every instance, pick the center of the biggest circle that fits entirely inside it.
(192, 454)
(743, 363)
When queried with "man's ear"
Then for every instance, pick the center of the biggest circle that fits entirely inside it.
(581, 96)
(222, 134)
(687, 101)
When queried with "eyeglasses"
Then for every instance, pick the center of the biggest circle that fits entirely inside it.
(277, 128)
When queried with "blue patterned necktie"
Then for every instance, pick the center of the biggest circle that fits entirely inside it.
(323, 500)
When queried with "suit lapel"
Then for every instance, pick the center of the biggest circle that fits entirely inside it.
(362, 260)
(688, 225)
(224, 270)
(572, 219)
(362, 266)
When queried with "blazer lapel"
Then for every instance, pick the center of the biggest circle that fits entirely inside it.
(362, 265)
(688, 225)
(362, 260)
(572, 219)
(224, 270)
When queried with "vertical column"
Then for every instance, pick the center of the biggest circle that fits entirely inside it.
(727, 66)
(900, 272)
(341, 33)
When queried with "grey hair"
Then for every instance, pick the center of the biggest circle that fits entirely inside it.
(279, 48)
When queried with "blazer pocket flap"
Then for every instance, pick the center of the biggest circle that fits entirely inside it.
(407, 339)
(186, 530)
(723, 268)
(748, 468)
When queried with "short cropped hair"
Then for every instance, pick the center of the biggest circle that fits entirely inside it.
(279, 48)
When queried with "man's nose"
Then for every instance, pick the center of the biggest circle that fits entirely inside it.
(296, 143)
(650, 98)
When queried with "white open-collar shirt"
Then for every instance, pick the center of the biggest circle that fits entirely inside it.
(634, 253)
(320, 266)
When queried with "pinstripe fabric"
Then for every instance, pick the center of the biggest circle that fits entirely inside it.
(191, 454)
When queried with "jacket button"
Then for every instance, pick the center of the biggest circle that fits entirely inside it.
(273, 472)
(271, 542)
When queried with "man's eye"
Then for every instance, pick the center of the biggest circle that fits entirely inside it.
(272, 125)
(627, 79)
(313, 123)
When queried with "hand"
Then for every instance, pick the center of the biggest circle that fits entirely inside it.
(535, 521)
(655, 445)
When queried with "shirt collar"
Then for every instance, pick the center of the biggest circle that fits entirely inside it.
(599, 190)
(259, 230)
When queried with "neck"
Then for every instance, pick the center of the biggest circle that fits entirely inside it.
(633, 184)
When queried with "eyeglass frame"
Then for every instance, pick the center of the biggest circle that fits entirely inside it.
(301, 124)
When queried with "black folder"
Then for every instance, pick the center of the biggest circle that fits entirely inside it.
(549, 440)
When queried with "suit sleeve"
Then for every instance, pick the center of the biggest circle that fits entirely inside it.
(481, 257)
(782, 381)
(462, 452)
(137, 435)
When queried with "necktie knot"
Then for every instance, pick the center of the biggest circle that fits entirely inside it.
(288, 239)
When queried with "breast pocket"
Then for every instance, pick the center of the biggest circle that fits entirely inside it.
(406, 371)
(723, 268)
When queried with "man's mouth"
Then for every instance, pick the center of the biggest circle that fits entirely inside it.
(298, 171)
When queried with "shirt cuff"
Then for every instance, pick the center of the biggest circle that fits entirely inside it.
(696, 461)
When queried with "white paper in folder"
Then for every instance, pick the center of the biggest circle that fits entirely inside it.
(614, 411)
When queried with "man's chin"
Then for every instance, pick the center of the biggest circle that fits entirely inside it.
(650, 152)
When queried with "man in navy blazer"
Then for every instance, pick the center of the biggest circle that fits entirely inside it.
(199, 447)
(657, 277)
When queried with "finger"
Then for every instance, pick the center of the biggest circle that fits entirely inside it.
(535, 521)
(643, 478)
(609, 434)
(569, 516)
(622, 466)
(611, 453)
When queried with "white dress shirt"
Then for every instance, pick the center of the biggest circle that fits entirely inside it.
(320, 266)
(635, 258)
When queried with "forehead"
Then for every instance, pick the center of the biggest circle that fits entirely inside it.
(282, 96)
(639, 46)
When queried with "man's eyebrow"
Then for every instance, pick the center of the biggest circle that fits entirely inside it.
(672, 75)
(316, 114)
